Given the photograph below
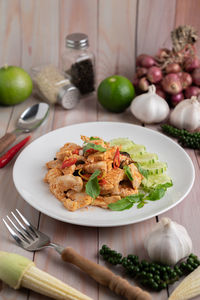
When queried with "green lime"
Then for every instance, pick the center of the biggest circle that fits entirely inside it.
(15, 85)
(115, 93)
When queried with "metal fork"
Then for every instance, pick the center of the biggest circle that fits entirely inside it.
(31, 239)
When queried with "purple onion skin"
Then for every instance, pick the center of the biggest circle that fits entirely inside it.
(192, 91)
(139, 59)
(154, 74)
(135, 80)
(186, 79)
(143, 84)
(175, 99)
(173, 68)
(147, 61)
(196, 76)
(141, 72)
(171, 84)
(161, 93)
(191, 63)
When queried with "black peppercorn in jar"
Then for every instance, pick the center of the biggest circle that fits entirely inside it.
(78, 62)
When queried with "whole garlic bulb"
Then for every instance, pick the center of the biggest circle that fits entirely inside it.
(150, 107)
(186, 115)
(168, 242)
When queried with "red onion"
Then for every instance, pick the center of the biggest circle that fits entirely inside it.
(141, 71)
(161, 93)
(135, 80)
(171, 84)
(191, 63)
(154, 74)
(139, 59)
(175, 99)
(196, 76)
(192, 91)
(186, 79)
(147, 61)
(143, 84)
(173, 68)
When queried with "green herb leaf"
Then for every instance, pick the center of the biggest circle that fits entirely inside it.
(165, 185)
(142, 171)
(92, 187)
(156, 194)
(95, 147)
(120, 205)
(128, 172)
(93, 138)
(140, 205)
(126, 203)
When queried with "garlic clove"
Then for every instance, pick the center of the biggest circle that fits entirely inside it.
(168, 242)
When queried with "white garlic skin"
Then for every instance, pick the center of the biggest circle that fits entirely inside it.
(149, 107)
(186, 115)
(168, 242)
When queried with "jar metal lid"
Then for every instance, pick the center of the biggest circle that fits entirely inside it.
(68, 96)
(77, 40)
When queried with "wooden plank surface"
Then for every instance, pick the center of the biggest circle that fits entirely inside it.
(33, 33)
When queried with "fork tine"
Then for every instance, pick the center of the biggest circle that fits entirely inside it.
(22, 226)
(14, 235)
(27, 223)
(17, 229)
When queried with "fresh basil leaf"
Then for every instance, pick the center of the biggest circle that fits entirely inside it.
(92, 187)
(165, 185)
(94, 146)
(156, 194)
(135, 198)
(128, 172)
(93, 138)
(142, 171)
(120, 205)
(140, 205)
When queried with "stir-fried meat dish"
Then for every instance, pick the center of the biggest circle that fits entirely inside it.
(74, 168)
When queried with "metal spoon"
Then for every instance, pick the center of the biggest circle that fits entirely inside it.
(29, 120)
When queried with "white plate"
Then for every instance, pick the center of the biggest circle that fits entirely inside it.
(29, 171)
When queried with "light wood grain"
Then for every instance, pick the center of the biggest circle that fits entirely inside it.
(156, 19)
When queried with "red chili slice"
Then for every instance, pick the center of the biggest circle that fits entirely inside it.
(116, 160)
(68, 163)
(76, 151)
(102, 181)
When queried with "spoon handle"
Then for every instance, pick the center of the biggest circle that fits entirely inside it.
(7, 140)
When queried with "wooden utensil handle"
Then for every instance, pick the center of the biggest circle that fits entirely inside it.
(7, 140)
(105, 277)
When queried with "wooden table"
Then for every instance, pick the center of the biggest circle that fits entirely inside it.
(87, 241)
(32, 33)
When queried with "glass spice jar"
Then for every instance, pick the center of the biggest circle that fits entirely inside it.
(78, 62)
(53, 87)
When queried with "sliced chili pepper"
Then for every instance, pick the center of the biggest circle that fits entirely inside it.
(76, 151)
(68, 162)
(116, 160)
(84, 176)
(12, 152)
(102, 181)
(91, 151)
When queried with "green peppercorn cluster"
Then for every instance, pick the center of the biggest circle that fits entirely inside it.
(151, 275)
(185, 138)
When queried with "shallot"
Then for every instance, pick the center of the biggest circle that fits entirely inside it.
(143, 84)
(147, 61)
(160, 93)
(192, 91)
(191, 63)
(172, 84)
(141, 72)
(196, 76)
(172, 68)
(154, 74)
(186, 79)
(175, 99)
